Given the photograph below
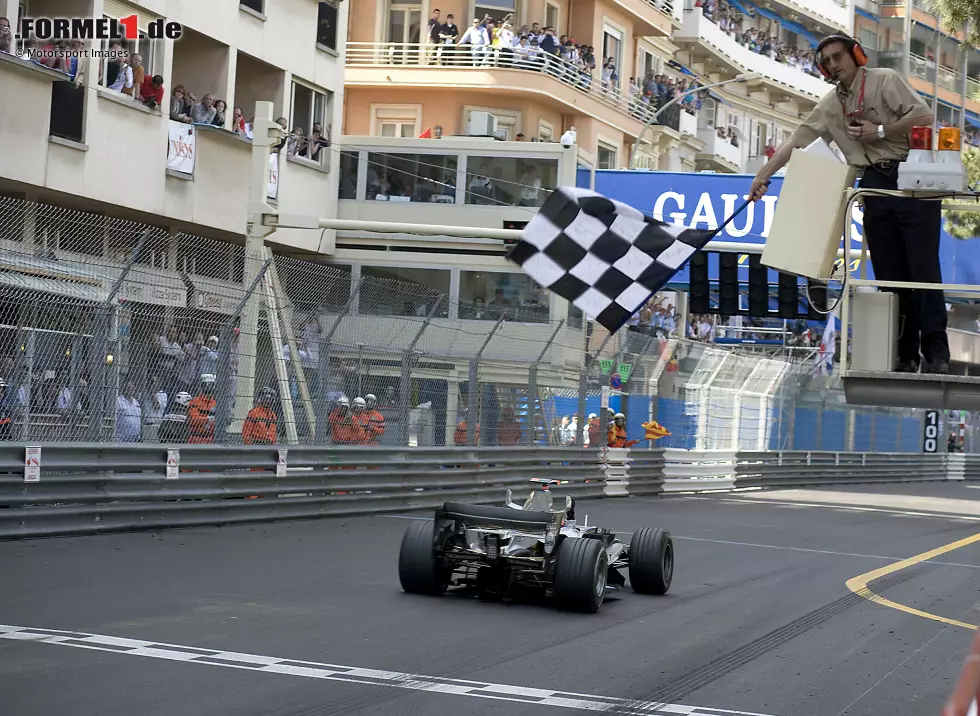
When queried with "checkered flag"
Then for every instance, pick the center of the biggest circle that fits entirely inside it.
(605, 257)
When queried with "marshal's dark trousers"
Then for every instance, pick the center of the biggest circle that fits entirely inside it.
(903, 237)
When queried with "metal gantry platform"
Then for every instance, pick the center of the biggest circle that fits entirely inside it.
(904, 390)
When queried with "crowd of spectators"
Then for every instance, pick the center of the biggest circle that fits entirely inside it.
(539, 47)
(764, 42)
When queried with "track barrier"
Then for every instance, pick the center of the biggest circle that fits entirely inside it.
(90, 488)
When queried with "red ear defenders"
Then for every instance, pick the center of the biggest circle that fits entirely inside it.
(857, 52)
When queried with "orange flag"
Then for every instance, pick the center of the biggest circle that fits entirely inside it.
(655, 431)
(427, 134)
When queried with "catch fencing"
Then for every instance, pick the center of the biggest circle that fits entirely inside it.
(104, 323)
(77, 488)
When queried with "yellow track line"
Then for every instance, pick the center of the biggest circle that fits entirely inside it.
(859, 584)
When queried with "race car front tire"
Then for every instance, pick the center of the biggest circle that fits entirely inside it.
(419, 570)
(651, 559)
(581, 571)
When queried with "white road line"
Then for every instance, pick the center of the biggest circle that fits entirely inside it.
(846, 508)
(768, 546)
(355, 675)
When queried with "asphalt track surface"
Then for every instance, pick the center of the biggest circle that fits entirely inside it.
(308, 619)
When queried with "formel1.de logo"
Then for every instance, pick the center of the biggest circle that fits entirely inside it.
(89, 28)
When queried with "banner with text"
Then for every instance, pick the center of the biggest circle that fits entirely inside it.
(181, 148)
(273, 176)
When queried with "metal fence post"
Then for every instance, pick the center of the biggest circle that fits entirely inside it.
(223, 402)
(532, 389)
(322, 406)
(583, 422)
(101, 336)
(472, 392)
(405, 384)
(603, 417)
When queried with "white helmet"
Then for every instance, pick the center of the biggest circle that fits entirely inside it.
(209, 378)
(360, 403)
(371, 400)
(183, 398)
(342, 400)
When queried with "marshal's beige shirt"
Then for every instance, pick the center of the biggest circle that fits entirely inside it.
(887, 98)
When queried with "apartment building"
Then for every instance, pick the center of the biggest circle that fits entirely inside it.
(906, 36)
(429, 65)
(124, 195)
(78, 131)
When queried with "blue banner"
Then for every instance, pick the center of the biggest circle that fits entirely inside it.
(705, 200)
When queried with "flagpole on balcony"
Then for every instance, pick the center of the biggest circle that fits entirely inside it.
(656, 115)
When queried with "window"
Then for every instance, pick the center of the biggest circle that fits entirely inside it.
(398, 291)
(256, 5)
(326, 27)
(484, 296)
(551, 16)
(606, 157)
(869, 39)
(396, 120)
(143, 47)
(509, 181)
(497, 9)
(349, 162)
(405, 130)
(427, 178)
(310, 135)
(612, 46)
(314, 288)
(546, 132)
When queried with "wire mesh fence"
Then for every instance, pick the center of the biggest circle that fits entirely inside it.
(115, 331)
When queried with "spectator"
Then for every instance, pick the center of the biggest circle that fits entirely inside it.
(129, 417)
(220, 107)
(6, 37)
(139, 74)
(124, 77)
(151, 91)
(204, 112)
(178, 111)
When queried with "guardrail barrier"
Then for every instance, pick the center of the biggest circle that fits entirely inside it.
(89, 488)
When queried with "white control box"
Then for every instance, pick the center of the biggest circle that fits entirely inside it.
(874, 342)
(925, 170)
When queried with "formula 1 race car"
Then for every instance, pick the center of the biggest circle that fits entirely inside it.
(499, 550)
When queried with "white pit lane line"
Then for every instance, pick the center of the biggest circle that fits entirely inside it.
(357, 675)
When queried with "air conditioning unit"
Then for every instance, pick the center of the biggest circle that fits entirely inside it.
(482, 124)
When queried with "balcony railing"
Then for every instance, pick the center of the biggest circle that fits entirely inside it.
(443, 61)
(720, 146)
(696, 25)
(926, 70)
(973, 89)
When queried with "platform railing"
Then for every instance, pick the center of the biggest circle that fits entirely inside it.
(82, 488)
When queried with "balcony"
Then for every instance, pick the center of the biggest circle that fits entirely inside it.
(707, 41)
(120, 147)
(719, 154)
(411, 67)
(833, 13)
(652, 18)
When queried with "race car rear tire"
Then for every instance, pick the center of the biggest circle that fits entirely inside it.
(581, 571)
(651, 560)
(419, 570)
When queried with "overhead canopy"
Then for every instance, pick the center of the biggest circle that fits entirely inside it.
(740, 7)
(972, 120)
(790, 25)
(867, 15)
